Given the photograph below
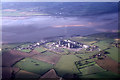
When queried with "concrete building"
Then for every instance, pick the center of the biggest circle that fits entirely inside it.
(69, 44)
(85, 46)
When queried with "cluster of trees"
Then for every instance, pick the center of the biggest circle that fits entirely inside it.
(101, 55)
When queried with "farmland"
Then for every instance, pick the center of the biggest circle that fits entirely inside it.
(114, 53)
(107, 64)
(24, 74)
(32, 65)
(10, 45)
(8, 59)
(26, 50)
(48, 57)
(66, 65)
(104, 74)
(87, 66)
(59, 40)
(23, 48)
(83, 63)
(102, 44)
(40, 49)
(85, 55)
(84, 40)
(91, 69)
(6, 71)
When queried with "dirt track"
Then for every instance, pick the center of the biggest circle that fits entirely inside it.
(109, 64)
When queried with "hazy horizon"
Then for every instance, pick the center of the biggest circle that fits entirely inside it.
(32, 21)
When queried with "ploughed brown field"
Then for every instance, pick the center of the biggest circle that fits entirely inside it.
(16, 52)
(7, 71)
(34, 52)
(52, 59)
(109, 64)
(50, 74)
(9, 58)
(13, 56)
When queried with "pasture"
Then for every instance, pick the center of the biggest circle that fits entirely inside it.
(25, 46)
(10, 45)
(114, 53)
(85, 55)
(102, 45)
(91, 69)
(104, 74)
(84, 40)
(41, 60)
(65, 51)
(40, 49)
(66, 65)
(87, 66)
(25, 50)
(34, 66)
(48, 57)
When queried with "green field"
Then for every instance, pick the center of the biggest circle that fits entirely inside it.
(65, 51)
(84, 40)
(35, 66)
(11, 45)
(85, 66)
(104, 74)
(66, 65)
(40, 49)
(25, 50)
(85, 61)
(114, 53)
(68, 62)
(48, 53)
(25, 45)
(85, 55)
(81, 66)
(91, 69)
(102, 44)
